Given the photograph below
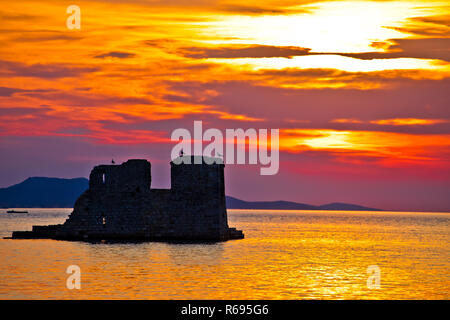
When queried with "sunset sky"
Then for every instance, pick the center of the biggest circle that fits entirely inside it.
(360, 91)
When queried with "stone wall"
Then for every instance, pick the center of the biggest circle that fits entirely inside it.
(121, 205)
(133, 175)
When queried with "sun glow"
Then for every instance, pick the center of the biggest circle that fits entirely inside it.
(350, 26)
(334, 62)
(327, 29)
(393, 146)
(329, 139)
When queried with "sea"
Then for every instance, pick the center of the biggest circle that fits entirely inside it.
(285, 255)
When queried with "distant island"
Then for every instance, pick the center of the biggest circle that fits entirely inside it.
(44, 192)
(234, 203)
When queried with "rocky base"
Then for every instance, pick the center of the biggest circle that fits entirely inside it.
(54, 232)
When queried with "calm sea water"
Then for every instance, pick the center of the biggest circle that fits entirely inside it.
(285, 255)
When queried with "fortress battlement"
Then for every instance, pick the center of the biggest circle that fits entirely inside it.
(120, 204)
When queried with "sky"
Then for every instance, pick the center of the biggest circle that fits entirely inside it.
(359, 90)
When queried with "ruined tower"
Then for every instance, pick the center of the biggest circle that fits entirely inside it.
(200, 189)
(120, 204)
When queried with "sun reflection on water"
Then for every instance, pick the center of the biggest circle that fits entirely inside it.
(286, 255)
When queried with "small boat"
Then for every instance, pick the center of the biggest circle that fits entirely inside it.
(16, 211)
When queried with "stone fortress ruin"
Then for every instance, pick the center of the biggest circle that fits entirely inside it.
(120, 205)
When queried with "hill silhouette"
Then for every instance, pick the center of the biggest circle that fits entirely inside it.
(234, 203)
(44, 192)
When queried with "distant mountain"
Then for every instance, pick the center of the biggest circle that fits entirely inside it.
(42, 192)
(234, 203)
(345, 206)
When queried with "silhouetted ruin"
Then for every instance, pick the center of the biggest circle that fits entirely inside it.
(120, 204)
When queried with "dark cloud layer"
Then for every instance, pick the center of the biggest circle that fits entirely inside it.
(87, 100)
(254, 51)
(11, 16)
(116, 54)
(427, 48)
(258, 10)
(412, 99)
(45, 71)
(436, 26)
(7, 92)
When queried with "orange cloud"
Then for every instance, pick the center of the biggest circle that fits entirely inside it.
(386, 146)
(395, 121)
(409, 122)
(346, 121)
